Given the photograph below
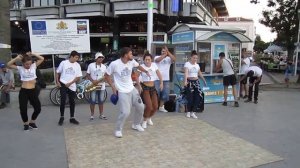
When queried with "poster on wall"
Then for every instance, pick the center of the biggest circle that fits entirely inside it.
(218, 49)
(59, 36)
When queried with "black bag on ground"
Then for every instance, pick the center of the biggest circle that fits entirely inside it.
(170, 105)
(200, 107)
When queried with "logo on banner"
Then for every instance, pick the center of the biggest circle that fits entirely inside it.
(61, 25)
(38, 27)
(81, 27)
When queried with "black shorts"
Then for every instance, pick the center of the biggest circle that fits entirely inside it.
(244, 81)
(229, 80)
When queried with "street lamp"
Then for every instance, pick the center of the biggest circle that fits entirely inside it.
(297, 46)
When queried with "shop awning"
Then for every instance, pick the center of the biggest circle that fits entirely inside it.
(239, 36)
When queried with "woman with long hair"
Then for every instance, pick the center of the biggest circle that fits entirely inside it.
(28, 91)
(192, 73)
(149, 93)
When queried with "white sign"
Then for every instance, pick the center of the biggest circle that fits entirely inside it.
(59, 36)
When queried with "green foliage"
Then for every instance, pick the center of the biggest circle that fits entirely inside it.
(282, 18)
(260, 45)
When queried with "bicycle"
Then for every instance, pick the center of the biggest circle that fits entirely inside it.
(81, 93)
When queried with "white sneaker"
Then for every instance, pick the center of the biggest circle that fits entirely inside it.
(118, 134)
(162, 109)
(138, 127)
(149, 121)
(144, 124)
(188, 114)
(91, 118)
(193, 115)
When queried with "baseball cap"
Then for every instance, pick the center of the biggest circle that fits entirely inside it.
(2, 65)
(99, 54)
(114, 99)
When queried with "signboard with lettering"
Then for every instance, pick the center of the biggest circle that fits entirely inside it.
(185, 37)
(59, 36)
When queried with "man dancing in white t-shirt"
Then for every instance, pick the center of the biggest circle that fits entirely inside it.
(121, 70)
(67, 74)
(163, 63)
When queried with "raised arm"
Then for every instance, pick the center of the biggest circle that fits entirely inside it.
(40, 59)
(11, 63)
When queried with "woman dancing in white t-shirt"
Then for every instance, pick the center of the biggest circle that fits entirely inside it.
(192, 73)
(28, 91)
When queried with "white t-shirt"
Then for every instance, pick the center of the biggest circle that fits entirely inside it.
(68, 72)
(164, 67)
(227, 67)
(193, 69)
(122, 74)
(97, 72)
(245, 66)
(152, 71)
(257, 71)
(27, 74)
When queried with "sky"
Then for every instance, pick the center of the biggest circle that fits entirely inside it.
(243, 8)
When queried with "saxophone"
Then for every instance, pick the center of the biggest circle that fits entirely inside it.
(86, 86)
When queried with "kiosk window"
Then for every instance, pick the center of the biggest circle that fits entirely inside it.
(204, 51)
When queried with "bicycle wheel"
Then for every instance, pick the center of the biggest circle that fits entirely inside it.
(52, 95)
(57, 98)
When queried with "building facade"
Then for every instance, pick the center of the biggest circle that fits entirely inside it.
(241, 23)
(114, 23)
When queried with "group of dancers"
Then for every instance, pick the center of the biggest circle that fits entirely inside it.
(148, 95)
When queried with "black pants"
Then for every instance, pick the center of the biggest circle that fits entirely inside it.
(256, 88)
(31, 95)
(194, 96)
(64, 91)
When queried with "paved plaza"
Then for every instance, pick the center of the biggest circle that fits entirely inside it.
(266, 134)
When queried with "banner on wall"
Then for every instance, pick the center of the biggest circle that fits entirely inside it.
(59, 36)
(213, 91)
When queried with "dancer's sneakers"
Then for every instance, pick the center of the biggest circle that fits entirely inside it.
(118, 134)
(74, 121)
(162, 109)
(149, 121)
(193, 115)
(188, 114)
(26, 128)
(61, 121)
(33, 126)
(144, 124)
(91, 118)
(138, 127)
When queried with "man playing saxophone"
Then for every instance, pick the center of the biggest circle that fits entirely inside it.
(95, 73)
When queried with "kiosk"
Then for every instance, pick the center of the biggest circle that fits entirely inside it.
(208, 41)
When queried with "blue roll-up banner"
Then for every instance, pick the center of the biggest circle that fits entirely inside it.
(213, 91)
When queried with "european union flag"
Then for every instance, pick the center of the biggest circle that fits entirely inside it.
(38, 27)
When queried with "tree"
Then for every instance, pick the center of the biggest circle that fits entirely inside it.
(4, 30)
(282, 18)
(259, 45)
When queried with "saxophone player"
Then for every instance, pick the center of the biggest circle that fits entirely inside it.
(95, 74)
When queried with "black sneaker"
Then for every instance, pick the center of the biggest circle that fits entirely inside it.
(236, 104)
(33, 126)
(255, 102)
(248, 100)
(61, 121)
(26, 128)
(74, 121)
(224, 103)
(245, 97)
